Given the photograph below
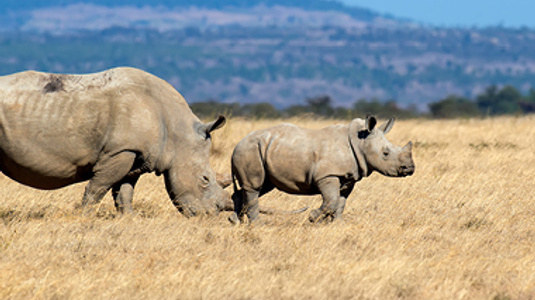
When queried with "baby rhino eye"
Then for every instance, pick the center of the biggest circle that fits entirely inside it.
(386, 151)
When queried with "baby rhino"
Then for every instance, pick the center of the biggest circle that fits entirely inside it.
(304, 161)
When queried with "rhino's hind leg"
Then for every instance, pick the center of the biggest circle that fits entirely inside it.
(246, 203)
(251, 175)
(250, 205)
(107, 173)
(332, 205)
(123, 192)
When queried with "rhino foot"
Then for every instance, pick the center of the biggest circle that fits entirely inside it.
(86, 210)
(233, 218)
(258, 222)
(314, 216)
(318, 216)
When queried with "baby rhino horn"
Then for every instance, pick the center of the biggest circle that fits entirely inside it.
(408, 147)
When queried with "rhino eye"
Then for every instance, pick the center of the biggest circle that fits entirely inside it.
(205, 181)
(386, 152)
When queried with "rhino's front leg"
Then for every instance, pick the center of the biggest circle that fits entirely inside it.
(340, 208)
(344, 192)
(123, 192)
(330, 191)
(107, 173)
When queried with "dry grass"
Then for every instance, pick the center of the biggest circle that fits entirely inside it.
(463, 227)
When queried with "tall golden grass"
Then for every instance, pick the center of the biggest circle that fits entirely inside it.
(462, 227)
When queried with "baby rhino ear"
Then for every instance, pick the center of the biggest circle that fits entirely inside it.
(371, 121)
(387, 126)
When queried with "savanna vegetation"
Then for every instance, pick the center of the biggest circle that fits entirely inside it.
(493, 101)
(461, 227)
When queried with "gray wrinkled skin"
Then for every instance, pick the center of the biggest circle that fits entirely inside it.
(303, 161)
(108, 128)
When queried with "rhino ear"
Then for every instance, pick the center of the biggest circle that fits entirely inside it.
(209, 127)
(387, 126)
(371, 121)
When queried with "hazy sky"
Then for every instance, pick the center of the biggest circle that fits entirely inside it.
(511, 13)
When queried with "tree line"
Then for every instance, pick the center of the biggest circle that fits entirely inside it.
(316, 106)
(493, 101)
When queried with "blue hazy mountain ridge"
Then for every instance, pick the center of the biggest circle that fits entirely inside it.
(206, 53)
(356, 12)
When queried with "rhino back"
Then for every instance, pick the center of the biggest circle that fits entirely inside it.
(55, 128)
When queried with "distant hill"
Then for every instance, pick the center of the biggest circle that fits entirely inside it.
(321, 5)
(266, 51)
(67, 15)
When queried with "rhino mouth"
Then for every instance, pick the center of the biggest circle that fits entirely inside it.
(191, 207)
(187, 211)
(193, 211)
(405, 171)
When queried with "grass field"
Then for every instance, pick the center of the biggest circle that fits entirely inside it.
(462, 227)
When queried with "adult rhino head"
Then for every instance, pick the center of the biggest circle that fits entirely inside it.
(194, 188)
(375, 153)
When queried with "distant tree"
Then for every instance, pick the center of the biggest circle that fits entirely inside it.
(488, 99)
(380, 109)
(260, 110)
(344, 113)
(531, 95)
(527, 104)
(321, 105)
(363, 106)
(391, 108)
(296, 110)
(499, 102)
(454, 107)
(212, 108)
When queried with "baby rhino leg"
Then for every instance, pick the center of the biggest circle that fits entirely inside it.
(250, 173)
(344, 192)
(330, 191)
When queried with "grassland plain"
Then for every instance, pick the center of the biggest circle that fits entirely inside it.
(462, 227)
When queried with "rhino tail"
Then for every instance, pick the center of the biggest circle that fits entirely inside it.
(236, 195)
(234, 185)
(271, 211)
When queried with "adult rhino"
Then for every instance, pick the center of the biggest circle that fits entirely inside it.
(108, 128)
(328, 161)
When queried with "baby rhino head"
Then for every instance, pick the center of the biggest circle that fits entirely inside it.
(380, 154)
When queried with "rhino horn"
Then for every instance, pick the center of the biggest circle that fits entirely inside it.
(408, 147)
(223, 180)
